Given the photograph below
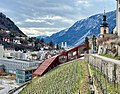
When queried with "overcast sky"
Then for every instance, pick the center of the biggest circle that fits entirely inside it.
(45, 17)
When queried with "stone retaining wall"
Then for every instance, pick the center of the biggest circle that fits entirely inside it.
(107, 66)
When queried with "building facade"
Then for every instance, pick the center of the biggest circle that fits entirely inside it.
(1, 69)
(24, 75)
(1, 51)
(10, 65)
(104, 29)
(118, 17)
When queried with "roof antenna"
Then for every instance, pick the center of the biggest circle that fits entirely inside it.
(104, 12)
(104, 7)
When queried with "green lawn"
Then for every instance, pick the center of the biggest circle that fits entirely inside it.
(65, 79)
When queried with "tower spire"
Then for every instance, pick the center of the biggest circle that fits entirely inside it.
(104, 12)
(104, 17)
(104, 26)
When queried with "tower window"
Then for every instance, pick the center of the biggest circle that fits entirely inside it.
(119, 9)
(104, 31)
(119, 1)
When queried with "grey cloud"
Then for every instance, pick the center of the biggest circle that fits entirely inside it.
(21, 10)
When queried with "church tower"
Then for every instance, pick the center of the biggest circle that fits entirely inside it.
(104, 29)
(118, 18)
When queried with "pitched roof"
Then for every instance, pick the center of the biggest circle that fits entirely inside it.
(53, 61)
(44, 66)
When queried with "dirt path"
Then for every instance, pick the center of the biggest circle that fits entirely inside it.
(85, 84)
(95, 88)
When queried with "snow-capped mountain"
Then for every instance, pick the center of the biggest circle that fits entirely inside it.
(76, 34)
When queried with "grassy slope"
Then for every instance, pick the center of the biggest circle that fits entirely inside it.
(110, 56)
(68, 78)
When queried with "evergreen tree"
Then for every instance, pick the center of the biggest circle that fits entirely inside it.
(12, 35)
(87, 42)
(94, 43)
(42, 40)
(57, 47)
(30, 40)
(51, 44)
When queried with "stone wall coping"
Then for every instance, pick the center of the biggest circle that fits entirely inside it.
(106, 59)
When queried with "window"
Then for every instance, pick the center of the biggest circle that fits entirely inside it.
(104, 31)
(20, 77)
(21, 81)
(19, 72)
(119, 1)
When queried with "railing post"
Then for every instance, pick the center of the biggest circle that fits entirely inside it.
(77, 55)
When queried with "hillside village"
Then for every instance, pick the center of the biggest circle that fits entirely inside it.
(29, 65)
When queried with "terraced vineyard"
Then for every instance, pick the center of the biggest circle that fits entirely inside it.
(104, 84)
(70, 78)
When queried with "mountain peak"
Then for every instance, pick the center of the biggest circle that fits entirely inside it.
(8, 25)
(76, 34)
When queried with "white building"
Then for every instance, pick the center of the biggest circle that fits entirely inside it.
(118, 17)
(104, 28)
(64, 45)
(1, 51)
(10, 65)
(16, 41)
